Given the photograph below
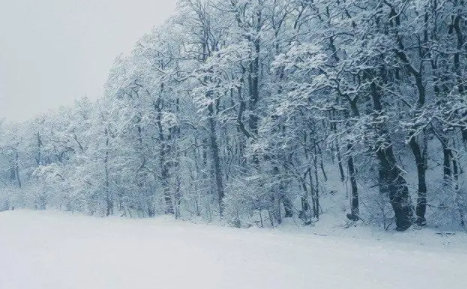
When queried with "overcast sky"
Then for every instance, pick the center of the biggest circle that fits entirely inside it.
(54, 51)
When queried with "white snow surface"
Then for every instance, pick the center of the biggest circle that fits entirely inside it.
(51, 250)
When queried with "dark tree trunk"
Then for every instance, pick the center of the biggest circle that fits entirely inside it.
(286, 201)
(39, 150)
(339, 162)
(108, 196)
(394, 184)
(288, 207)
(253, 78)
(18, 178)
(169, 208)
(355, 206)
(354, 203)
(163, 154)
(315, 193)
(420, 160)
(447, 172)
(459, 199)
(216, 162)
(390, 176)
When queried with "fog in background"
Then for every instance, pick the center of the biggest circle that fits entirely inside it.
(54, 51)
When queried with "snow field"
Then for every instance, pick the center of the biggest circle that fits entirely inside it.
(49, 250)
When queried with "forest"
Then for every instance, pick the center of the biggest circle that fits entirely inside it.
(255, 111)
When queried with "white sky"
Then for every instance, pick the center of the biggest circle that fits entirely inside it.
(54, 51)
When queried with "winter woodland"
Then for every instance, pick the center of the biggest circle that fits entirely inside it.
(254, 111)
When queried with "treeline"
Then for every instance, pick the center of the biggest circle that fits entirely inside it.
(269, 108)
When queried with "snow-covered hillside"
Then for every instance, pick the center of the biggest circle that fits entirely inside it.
(47, 250)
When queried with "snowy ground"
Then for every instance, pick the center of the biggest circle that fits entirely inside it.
(48, 250)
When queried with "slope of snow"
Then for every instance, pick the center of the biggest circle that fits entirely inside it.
(48, 250)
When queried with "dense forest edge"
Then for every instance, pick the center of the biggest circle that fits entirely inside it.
(255, 111)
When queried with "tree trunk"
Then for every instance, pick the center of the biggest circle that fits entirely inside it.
(459, 198)
(216, 163)
(164, 152)
(108, 197)
(18, 178)
(390, 176)
(288, 207)
(169, 208)
(420, 160)
(339, 162)
(354, 203)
